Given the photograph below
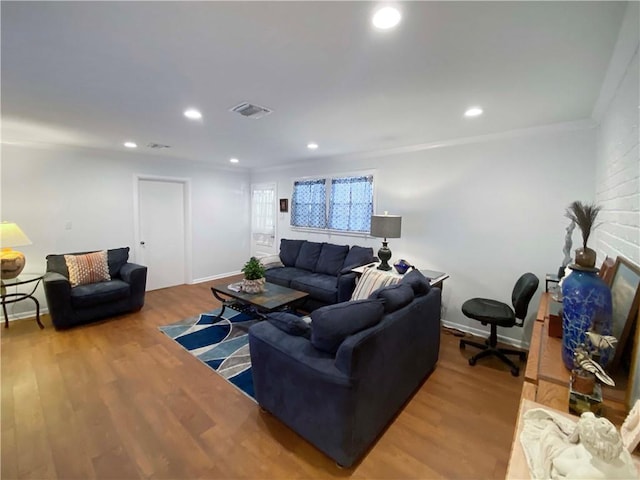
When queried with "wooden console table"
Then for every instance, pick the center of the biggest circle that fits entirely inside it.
(546, 382)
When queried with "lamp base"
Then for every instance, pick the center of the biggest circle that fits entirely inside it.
(384, 254)
(11, 263)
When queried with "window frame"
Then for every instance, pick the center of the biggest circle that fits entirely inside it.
(327, 180)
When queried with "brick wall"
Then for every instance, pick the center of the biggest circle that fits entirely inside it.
(618, 172)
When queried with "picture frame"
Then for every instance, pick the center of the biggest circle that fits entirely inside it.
(625, 295)
(633, 384)
(284, 205)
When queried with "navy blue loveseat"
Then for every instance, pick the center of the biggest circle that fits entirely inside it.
(340, 381)
(323, 270)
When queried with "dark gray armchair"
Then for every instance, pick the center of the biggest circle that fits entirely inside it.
(69, 306)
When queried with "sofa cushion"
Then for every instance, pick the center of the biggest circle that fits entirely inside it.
(371, 280)
(87, 268)
(358, 256)
(308, 255)
(98, 293)
(290, 323)
(117, 257)
(330, 325)
(395, 296)
(331, 258)
(271, 261)
(283, 276)
(320, 286)
(417, 282)
(289, 250)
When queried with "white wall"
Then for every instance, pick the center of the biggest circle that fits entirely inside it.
(618, 156)
(484, 212)
(44, 188)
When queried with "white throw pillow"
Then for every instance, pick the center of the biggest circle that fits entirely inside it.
(371, 280)
(271, 261)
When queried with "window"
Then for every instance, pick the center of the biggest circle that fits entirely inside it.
(342, 203)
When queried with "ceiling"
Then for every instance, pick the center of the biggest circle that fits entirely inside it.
(96, 74)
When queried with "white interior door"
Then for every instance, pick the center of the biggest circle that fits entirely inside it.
(162, 232)
(263, 219)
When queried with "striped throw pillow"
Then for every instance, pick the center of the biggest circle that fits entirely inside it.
(371, 280)
(87, 268)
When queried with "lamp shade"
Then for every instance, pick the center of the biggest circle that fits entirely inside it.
(11, 235)
(386, 226)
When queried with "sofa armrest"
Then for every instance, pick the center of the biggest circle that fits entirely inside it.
(57, 290)
(136, 276)
(346, 286)
(267, 341)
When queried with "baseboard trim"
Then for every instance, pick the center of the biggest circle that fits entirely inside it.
(29, 314)
(484, 334)
(214, 277)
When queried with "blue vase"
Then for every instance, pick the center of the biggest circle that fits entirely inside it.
(586, 302)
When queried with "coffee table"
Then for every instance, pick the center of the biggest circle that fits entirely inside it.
(274, 297)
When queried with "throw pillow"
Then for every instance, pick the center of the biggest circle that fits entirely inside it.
(330, 325)
(289, 250)
(417, 282)
(290, 323)
(308, 256)
(271, 261)
(331, 258)
(371, 280)
(357, 257)
(395, 296)
(117, 258)
(88, 268)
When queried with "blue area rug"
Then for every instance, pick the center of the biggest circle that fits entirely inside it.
(220, 343)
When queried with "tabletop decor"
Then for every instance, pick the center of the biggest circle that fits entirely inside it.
(585, 394)
(253, 276)
(586, 298)
(12, 262)
(385, 226)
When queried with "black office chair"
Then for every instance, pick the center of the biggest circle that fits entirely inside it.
(499, 314)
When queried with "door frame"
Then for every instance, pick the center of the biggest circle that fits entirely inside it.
(186, 187)
(275, 213)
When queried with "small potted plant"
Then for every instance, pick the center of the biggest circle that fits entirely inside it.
(253, 276)
(584, 215)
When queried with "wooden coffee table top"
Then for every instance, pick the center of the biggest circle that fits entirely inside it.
(273, 297)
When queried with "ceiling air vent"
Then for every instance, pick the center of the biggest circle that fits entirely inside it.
(251, 111)
(157, 145)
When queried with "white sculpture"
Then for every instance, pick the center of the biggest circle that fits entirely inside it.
(630, 430)
(557, 447)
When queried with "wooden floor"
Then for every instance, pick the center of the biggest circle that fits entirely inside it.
(118, 399)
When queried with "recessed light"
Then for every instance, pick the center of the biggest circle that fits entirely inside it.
(473, 112)
(130, 144)
(192, 114)
(386, 18)
(312, 145)
(234, 160)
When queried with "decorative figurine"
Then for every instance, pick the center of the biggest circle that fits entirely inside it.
(568, 243)
(557, 447)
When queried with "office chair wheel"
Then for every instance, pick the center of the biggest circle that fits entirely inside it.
(515, 372)
(472, 361)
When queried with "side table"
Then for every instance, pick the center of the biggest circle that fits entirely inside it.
(22, 279)
(436, 279)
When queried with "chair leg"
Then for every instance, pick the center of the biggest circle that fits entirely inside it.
(490, 348)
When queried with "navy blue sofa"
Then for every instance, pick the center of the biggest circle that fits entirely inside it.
(339, 383)
(323, 270)
(69, 306)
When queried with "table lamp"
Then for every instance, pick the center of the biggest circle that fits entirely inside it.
(385, 226)
(11, 261)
